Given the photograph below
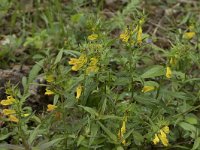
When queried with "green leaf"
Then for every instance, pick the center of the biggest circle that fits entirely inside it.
(191, 120)
(108, 132)
(151, 83)
(119, 148)
(55, 99)
(35, 70)
(10, 147)
(33, 135)
(154, 72)
(104, 117)
(24, 83)
(196, 144)
(50, 143)
(4, 136)
(90, 110)
(187, 126)
(138, 138)
(72, 53)
(94, 131)
(146, 100)
(80, 139)
(59, 57)
(103, 108)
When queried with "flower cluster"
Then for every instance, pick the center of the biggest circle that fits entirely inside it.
(93, 37)
(81, 61)
(92, 68)
(9, 112)
(125, 36)
(161, 136)
(128, 34)
(78, 63)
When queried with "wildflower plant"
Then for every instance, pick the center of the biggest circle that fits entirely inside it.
(106, 85)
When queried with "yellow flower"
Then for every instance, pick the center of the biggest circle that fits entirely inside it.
(168, 72)
(125, 36)
(148, 88)
(25, 115)
(163, 138)
(78, 63)
(122, 131)
(124, 142)
(172, 61)
(92, 68)
(48, 92)
(51, 107)
(189, 35)
(166, 129)
(9, 101)
(139, 35)
(13, 118)
(50, 78)
(156, 140)
(94, 61)
(92, 37)
(78, 91)
(123, 128)
(8, 111)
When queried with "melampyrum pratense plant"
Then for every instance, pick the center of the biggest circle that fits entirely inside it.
(110, 92)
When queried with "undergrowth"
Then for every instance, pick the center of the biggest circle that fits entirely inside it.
(119, 74)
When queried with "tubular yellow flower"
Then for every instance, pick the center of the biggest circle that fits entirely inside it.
(139, 35)
(8, 111)
(123, 128)
(168, 72)
(124, 142)
(92, 37)
(48, 92)
(11, 98)
(13, 118)
(189, 35)
(122, 131)
(125, 36)
(148, 88)
(50, 78)
(6, 102)
(92, 68)
(156, 140)
(172, 61)
(78, 63)
(9, 101)
(94, 61)
(166, 129)
(51, 107)
(163, 138)
(25, 115)
(78, 91)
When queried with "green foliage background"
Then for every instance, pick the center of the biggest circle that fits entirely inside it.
(46, 34)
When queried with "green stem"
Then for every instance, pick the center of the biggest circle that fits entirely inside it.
(187, 111)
